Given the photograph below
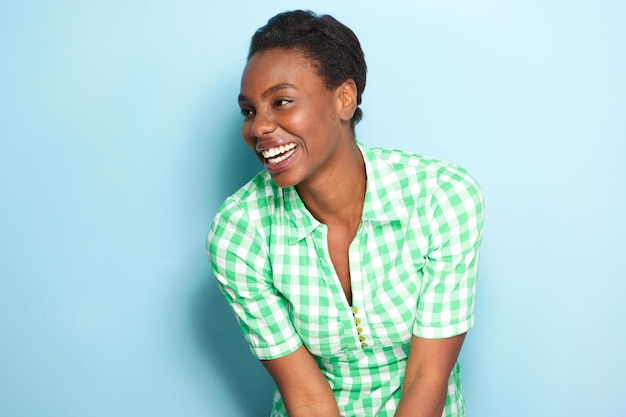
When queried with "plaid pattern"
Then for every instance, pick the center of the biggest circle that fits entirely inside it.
(413, 268)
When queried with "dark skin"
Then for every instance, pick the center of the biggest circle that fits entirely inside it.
(300, 130)
(286, 102)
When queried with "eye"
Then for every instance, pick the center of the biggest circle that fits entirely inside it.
(247, 113)
(281, 102)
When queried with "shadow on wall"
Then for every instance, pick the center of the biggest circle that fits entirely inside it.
(214, 323)
(219, 335)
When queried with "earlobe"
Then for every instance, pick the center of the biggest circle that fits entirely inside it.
(347, 99)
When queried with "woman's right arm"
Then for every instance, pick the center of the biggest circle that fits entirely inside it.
(305, 391)
(240, 260)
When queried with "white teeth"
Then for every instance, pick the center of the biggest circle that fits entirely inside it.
(281, 158)
(272, 152)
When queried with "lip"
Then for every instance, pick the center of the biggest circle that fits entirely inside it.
(269, 144)
(279, 166)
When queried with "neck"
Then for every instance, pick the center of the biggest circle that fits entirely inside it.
(337, 197)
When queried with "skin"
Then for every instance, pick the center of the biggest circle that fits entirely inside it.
(286, 103)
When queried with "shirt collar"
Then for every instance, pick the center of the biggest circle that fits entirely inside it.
(300, 222)
(383, 198)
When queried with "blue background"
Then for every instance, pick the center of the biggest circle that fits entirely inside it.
(119, 138)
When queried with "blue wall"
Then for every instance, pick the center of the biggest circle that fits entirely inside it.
(119, 138)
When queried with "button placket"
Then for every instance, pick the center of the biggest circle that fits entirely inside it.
(361, 327)
(362, 335)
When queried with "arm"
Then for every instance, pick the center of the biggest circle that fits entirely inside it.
(240, 259)
(444, 312)
(426, 379)
(305, 391)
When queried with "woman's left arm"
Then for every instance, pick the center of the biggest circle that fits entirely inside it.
(428, 368)
(444, 312)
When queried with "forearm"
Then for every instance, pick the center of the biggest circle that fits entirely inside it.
(423, 396)
(312, 407)
(426, 377)
(305, 391)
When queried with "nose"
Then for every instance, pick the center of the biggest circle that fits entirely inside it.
(261, 125)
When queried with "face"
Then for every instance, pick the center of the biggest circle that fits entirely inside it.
(292, 121)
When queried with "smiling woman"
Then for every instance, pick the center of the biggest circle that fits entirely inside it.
(288, 108)
(351, 270)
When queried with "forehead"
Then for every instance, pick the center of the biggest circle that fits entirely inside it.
(276, 66)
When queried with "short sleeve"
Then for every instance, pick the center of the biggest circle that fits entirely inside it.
(239, 258)
(455, 217)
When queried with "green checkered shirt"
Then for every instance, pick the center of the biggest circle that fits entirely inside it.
(413, 268)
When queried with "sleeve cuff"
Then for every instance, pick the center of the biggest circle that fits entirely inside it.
(445, 332)
(275, 352)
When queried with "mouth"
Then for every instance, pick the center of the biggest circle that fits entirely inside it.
(279, 153)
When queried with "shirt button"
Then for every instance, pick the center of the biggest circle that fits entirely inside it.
(361, 338)
(357, 321)
(359, 330)
(364, 345)
(355, 310)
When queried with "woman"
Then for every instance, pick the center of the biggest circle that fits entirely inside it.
(351, 270)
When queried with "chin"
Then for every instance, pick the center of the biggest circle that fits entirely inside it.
(284, 180)
(283, 184)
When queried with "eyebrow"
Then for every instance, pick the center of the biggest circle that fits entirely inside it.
(269, 91)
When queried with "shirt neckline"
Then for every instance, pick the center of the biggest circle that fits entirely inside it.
(382, 204)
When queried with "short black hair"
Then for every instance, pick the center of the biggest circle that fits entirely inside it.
(333, 47)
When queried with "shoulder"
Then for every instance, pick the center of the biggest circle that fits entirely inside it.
(420, 174)
(246, 211)
(255, 198)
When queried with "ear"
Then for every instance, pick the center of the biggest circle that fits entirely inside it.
(346, 99)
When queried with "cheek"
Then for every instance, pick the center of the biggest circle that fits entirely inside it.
(300, 122)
